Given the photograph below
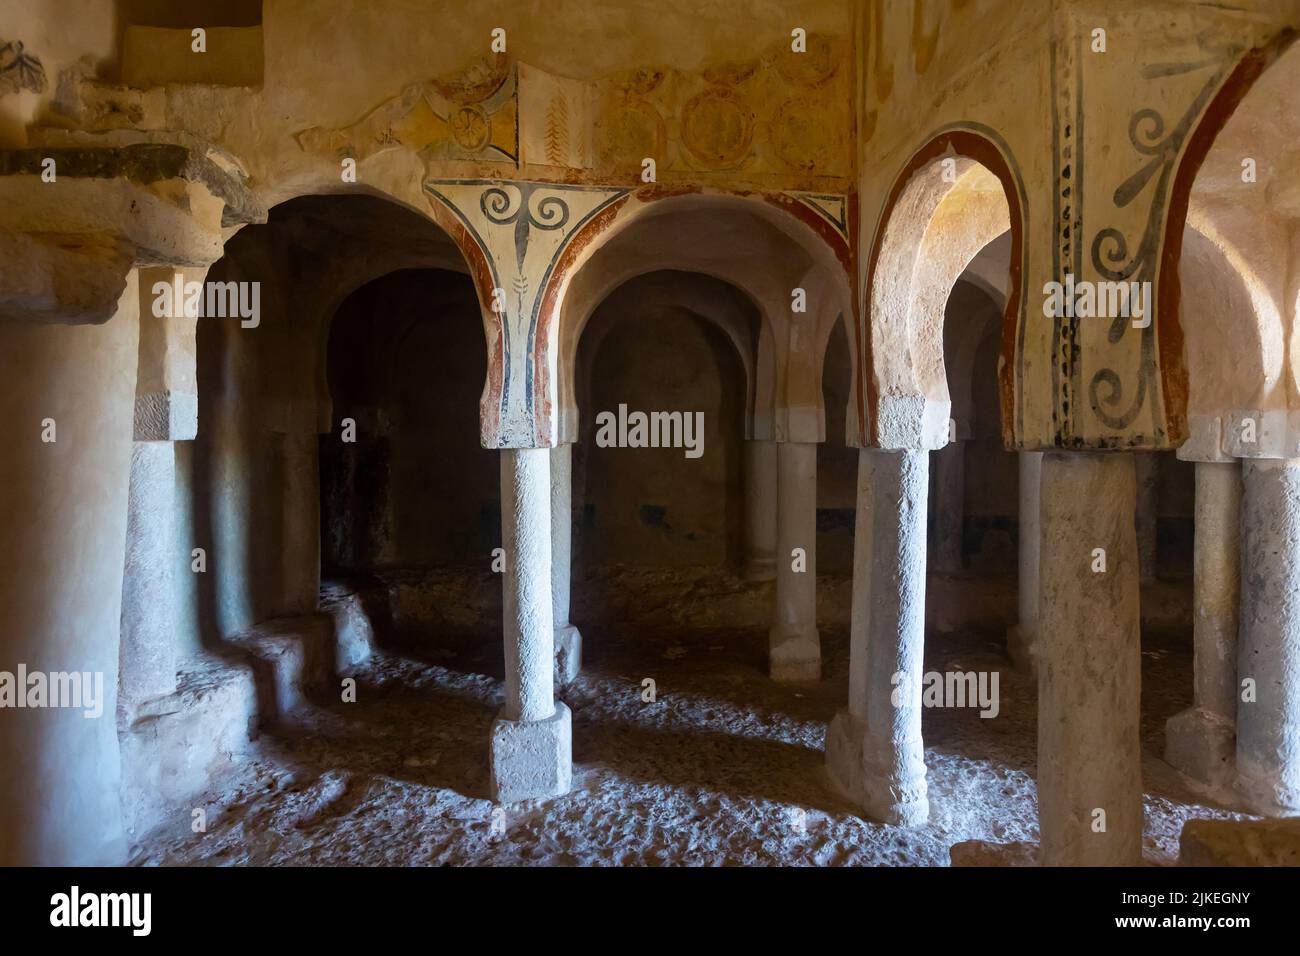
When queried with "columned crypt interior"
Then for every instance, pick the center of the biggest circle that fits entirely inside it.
(621, 432)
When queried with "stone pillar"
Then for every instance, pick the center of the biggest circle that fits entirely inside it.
(1022, 637)
(531, 738)
(1201, 741)
(1268, 728)
(373, 506)
(1089, 754)
(300, 511)
(949, 506)
(148, 645)
(1148, 482)
(760, 510)
(63, 527)
(568, 641)
(794, 646)
(874, 749)
(166, 411)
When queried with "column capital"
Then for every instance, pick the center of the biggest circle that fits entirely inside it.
(911, 423)
(1205, 439)
(519, 238)
(79, 209)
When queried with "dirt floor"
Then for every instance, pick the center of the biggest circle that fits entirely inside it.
(723, 768)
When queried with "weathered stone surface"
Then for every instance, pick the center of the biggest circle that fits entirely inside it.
(527, 611)
(568, 654)
(1201, 741)
(1240, 843)
(874, 749)
(984, 853)
(1202, 745)
(793, 643)
(353, 627)
(146, 159)
(291, 659)
(185, 744)
(148, 643)
(166, 416)
(1089, 751)
(567, 639)
(63, 278)
(1268, 643)
(760, 510)
(117, 199)
(532, 759)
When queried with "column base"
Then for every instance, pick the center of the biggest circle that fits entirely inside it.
(532, 759)
(899, 799)
(886, 795)
(794, 655)
(568, 654)
(760, 569)
(1022, 650)
(1263, 793)
(1201, 745)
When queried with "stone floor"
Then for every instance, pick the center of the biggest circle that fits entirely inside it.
(724, 767)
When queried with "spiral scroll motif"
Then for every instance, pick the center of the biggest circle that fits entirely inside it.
(1110, 248)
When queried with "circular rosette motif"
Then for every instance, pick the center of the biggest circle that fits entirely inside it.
(471, 128)
(717, 127)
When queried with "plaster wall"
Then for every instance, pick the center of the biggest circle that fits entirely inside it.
(60, 33)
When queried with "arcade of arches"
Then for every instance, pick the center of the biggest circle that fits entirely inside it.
(853, 433)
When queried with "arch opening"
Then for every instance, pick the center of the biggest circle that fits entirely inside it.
(662, 348)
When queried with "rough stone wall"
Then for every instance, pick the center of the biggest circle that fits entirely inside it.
(654, 505)
(416, 489)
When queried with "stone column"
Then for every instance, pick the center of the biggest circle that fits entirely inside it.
(1201, 741)
(568, 641)
(1089, 754)
(531, 738)
(1022, 637)
(760, 510)
(794, 646)
(1268, 655)
(1148, 483)
(874, 749)
(300, 558)
(148, 645)
(949, 506)
(166, 411)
